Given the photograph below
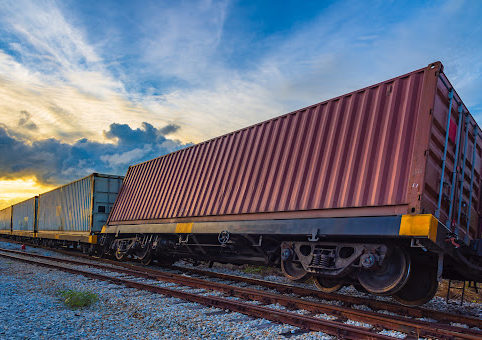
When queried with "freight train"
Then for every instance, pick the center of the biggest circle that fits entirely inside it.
(70, 214)
(378, 188)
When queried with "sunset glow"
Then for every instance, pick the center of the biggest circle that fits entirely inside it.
(16, 190)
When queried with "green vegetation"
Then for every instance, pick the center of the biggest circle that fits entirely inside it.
(78, 299)
(255, 270)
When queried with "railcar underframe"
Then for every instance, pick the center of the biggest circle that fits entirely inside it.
(403, 256)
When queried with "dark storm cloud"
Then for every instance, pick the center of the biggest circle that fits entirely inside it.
(52, 161)
(169, 129)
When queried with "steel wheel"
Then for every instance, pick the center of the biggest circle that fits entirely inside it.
(420, 287)
(293, 270)
(327, 285)
(120, 256)
(147, 260)
(143, 253)
(390, 277)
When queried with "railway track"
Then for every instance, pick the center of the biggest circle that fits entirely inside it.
(411, 327)
(346, 300)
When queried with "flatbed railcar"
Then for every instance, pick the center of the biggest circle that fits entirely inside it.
(379, 188)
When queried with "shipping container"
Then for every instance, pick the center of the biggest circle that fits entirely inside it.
(6, 220)
(77, 210)
(378, 151)
(24, 217)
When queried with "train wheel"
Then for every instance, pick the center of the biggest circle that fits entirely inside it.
(120, 256)
(420, 287)
(144, 254)
(293, 270)
(327, 285)
(147, 260)
(390, 277)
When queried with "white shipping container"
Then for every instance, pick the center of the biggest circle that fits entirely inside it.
(24, 215)
(80, 206)
(6, 220)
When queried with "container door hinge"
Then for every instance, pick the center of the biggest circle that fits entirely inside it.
(430, 112)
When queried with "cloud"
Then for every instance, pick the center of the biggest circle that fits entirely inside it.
(182, 65)
(126, 158)
(49, 69)
(26, 122)
(335, 52)
(52, 161)
(168, 129)
(183, 40)
(145, 135)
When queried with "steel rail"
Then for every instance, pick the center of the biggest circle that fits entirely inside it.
(335, 328)
(416, 312)
(412, 327)
(347, 300)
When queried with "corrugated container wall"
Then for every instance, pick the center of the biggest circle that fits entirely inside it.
(6, 219)
(346, 152)
(364, 151)
(80, 206)
(23, 215)
(464, 133)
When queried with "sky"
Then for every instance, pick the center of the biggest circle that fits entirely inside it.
(96, 86)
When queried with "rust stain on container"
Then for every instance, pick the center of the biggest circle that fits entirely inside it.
(365, 150)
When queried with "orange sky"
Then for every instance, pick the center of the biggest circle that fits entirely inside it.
(16, 190)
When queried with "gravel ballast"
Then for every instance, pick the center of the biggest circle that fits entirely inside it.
(31, 307)
(437, 303)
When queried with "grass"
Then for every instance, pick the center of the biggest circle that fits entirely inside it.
(261, 270)
(78, 299)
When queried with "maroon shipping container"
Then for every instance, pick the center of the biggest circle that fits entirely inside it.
(378, 151)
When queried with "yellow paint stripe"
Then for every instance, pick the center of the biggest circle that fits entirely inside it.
(184, 227)
(419, 225)
(92, 238)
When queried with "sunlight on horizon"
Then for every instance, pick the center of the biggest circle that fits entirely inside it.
(17, 190)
